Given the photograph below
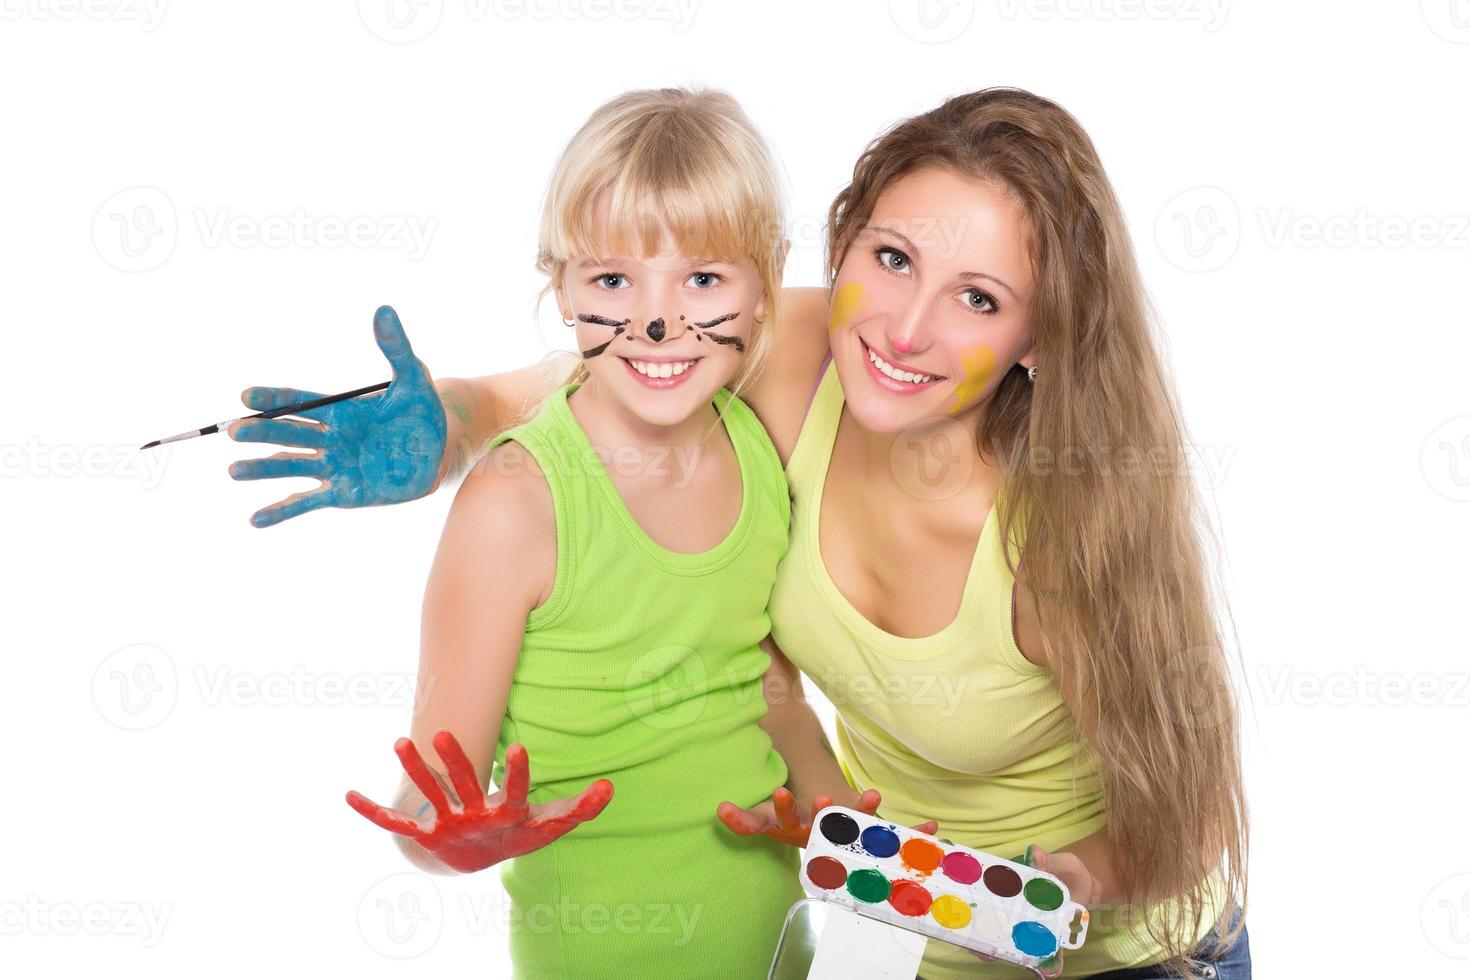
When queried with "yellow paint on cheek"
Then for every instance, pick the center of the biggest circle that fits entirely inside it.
(846, 302)
(977, 365)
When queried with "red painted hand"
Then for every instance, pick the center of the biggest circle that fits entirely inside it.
(474, 832)
(779, 818)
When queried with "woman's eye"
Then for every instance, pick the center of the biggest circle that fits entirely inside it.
(892, 259)
(612, 280)
(980, 301)
(703, 280)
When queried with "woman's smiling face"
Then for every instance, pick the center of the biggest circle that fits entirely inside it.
(930, 308)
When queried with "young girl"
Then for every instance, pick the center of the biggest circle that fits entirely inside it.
(598, 600)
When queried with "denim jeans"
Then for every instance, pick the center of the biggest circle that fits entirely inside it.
(1211, 963)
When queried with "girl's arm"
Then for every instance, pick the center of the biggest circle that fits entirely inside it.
(811, 766)
(496, 562)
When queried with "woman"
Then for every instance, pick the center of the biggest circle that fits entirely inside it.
(985, 312)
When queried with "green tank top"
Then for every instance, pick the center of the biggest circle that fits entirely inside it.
(643, 666)
(958, 726)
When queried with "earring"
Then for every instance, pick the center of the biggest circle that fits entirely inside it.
(1031, 373)
(568, 323)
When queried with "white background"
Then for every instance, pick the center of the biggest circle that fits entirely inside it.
(178, 735)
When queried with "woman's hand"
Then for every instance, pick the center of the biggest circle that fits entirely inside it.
(479, 832)
(382, 448)
(779, 818)
(1083, 886)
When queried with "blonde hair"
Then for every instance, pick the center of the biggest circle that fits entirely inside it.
(672, 161)
(1112, 554)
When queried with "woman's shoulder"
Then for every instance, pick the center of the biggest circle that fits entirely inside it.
(782, 391)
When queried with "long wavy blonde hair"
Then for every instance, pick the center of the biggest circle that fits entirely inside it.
(1113, 551)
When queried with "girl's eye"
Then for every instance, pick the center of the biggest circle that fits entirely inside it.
(612, 280)
(702, 280)
(981, 301)
(892, 259)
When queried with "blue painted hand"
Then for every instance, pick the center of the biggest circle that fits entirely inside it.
(382, 448)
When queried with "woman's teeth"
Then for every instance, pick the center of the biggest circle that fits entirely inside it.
(660, 369)
(895, 373)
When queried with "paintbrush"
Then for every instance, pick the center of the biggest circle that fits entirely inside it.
(295, 409)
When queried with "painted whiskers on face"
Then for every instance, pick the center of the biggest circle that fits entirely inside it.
(618, 327)
(719, 338)
(656, 331)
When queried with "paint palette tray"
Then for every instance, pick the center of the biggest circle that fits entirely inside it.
(945, 891)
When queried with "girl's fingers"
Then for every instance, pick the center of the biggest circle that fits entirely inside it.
(930, 827)
(868, 802)
(413, 764)
(747, 823)
(788, 820)
(820, 803)
(517, 776)
(591, 801)
(390, 820)
(461, 770)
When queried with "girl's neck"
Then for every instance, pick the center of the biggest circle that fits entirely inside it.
(609, 424)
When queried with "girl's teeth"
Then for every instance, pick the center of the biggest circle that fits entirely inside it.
(897, 374)
(662, 369)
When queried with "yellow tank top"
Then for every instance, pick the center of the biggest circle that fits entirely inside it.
(958, 726)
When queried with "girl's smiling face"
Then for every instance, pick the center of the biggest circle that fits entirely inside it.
(930, 308)
(661, 334)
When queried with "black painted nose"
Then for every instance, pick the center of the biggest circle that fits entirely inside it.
(656, 330)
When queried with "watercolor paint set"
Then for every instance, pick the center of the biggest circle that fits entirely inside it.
(945, 891)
